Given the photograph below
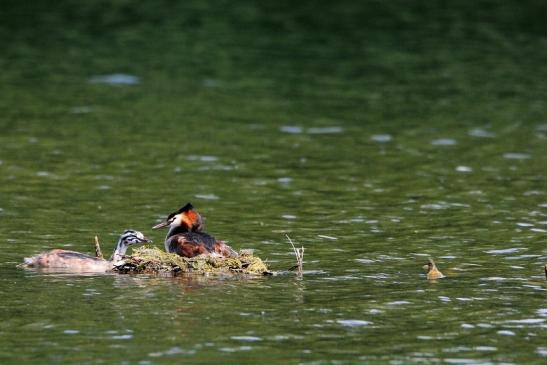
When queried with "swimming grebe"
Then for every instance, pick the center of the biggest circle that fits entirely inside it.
(186, 237)
(79, 262)
(432, 272)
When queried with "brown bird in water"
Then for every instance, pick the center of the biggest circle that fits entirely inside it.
(545, 268)
(432, 272)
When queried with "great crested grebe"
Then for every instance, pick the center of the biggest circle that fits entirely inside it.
(432, 272)
(186, 237)
(79, 262)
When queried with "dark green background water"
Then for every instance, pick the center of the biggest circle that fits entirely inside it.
(374, 133)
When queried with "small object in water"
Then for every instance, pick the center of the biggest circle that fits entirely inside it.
(545, 268)
(186, 237)
(79, 262)
(432, 272)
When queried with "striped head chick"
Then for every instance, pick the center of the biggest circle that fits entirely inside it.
(128, 238)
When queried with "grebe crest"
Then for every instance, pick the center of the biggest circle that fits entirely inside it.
(186, 218)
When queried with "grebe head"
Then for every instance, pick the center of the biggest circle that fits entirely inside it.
(184, 217)
(128, 238)
(131, 237)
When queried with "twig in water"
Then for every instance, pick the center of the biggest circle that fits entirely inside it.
(299, 253)
(98, 252)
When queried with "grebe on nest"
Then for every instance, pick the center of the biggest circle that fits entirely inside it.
(79, 262)
(186, 237)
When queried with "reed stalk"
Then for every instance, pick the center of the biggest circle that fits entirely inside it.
(98, 252)
(299, 254)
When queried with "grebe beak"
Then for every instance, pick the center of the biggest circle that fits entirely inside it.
(161, 225)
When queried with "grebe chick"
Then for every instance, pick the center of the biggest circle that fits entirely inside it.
(75, 261)
(186, 237)
(432, 272)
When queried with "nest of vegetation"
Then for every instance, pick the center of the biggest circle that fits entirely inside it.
(151, 260)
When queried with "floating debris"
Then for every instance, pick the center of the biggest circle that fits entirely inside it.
(151, 260)
(432, 272)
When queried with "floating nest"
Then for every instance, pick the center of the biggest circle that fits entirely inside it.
(151, 260)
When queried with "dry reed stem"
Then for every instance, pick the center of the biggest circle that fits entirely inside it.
(299, 254)
(98, 252)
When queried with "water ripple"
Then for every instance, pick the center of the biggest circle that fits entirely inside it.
(464, 169)
(115, 79)
(207, 196)
(516, 156)
(246, 338)
(172, 351)
(353, 322)
(481, 133)
(519, 323)
(444, 142)
(381, 138)
(291, 129)
(506, 333)
(325, 130)
(506, 251)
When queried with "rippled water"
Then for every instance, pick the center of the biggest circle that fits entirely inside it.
(373, 143)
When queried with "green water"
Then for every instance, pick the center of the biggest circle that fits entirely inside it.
(374, 133)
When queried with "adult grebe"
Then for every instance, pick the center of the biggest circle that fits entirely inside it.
(79, 262)
(186, 237)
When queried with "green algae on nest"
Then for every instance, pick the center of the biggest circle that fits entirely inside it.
(152, 260)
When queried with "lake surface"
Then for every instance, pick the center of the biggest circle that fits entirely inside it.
(374, 134)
